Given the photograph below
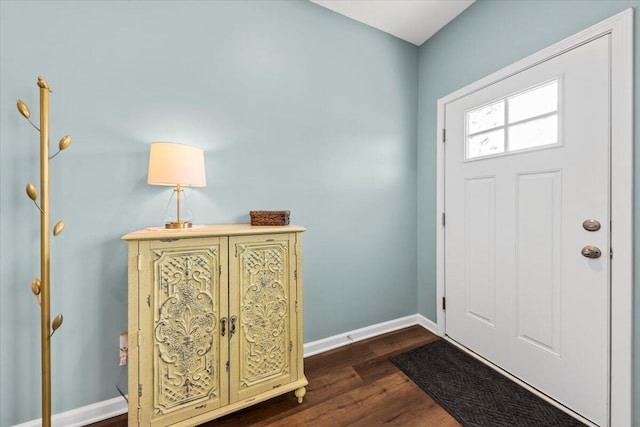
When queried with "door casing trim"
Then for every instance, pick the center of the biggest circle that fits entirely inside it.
(620, 27)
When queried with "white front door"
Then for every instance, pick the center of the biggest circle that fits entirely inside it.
(526, 164)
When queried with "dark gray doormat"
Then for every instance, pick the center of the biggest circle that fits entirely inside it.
(473, 393)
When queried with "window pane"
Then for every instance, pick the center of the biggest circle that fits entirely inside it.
(534, 133)
(534, 102)
(487, 117)
(485, 144)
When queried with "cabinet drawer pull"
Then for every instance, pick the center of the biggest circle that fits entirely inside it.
(223, 327)
(201, 406)
(232, 327)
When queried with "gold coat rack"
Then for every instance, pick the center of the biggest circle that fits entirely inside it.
(41, 286)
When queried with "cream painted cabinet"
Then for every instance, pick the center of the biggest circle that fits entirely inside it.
(215, 321)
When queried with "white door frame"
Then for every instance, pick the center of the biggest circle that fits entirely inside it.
(620, 27)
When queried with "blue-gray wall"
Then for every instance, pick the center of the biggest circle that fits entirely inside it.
(296, 108)
(486, 37)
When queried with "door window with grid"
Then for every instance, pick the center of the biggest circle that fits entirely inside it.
(522, 121)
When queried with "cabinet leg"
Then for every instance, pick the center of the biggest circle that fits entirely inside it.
(300, 394)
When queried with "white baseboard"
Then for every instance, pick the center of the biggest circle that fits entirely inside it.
(326, 344)
(427, 324)
(85, 415)
(117, 406)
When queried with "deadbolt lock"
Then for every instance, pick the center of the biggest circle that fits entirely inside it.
(590, 251)
(591, 225)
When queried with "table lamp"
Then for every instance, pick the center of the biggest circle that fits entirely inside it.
(176, 165)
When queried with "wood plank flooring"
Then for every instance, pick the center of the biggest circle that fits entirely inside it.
(354, 385)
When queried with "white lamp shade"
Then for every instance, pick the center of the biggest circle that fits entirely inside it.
(171, 164)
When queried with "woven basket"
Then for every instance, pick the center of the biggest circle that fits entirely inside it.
(269, 217)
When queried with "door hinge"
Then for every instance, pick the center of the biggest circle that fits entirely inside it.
(610, 253)
(290, 345)
(139, 262)
(227, 366)
(443, 219)
(444, 134)
(296, 306)
(220, 270)
(295, 274)
(444, 303)
(139, 337)
(139, 390)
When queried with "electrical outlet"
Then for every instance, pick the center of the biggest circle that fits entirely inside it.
(124, 348)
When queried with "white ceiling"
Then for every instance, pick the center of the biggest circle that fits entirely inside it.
(411, 20)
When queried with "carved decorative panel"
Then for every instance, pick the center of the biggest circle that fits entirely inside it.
(186, 319)
(264, 312)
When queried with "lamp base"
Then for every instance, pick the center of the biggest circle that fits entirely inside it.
(178, 224)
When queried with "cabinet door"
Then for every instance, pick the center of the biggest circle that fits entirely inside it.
(183, 297)
(262, 296)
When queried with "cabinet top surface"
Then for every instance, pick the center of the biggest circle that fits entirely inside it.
(152, 233)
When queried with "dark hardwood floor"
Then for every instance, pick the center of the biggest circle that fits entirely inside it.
(354, 385)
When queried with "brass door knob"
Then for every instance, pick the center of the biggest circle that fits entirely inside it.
(590, 251)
